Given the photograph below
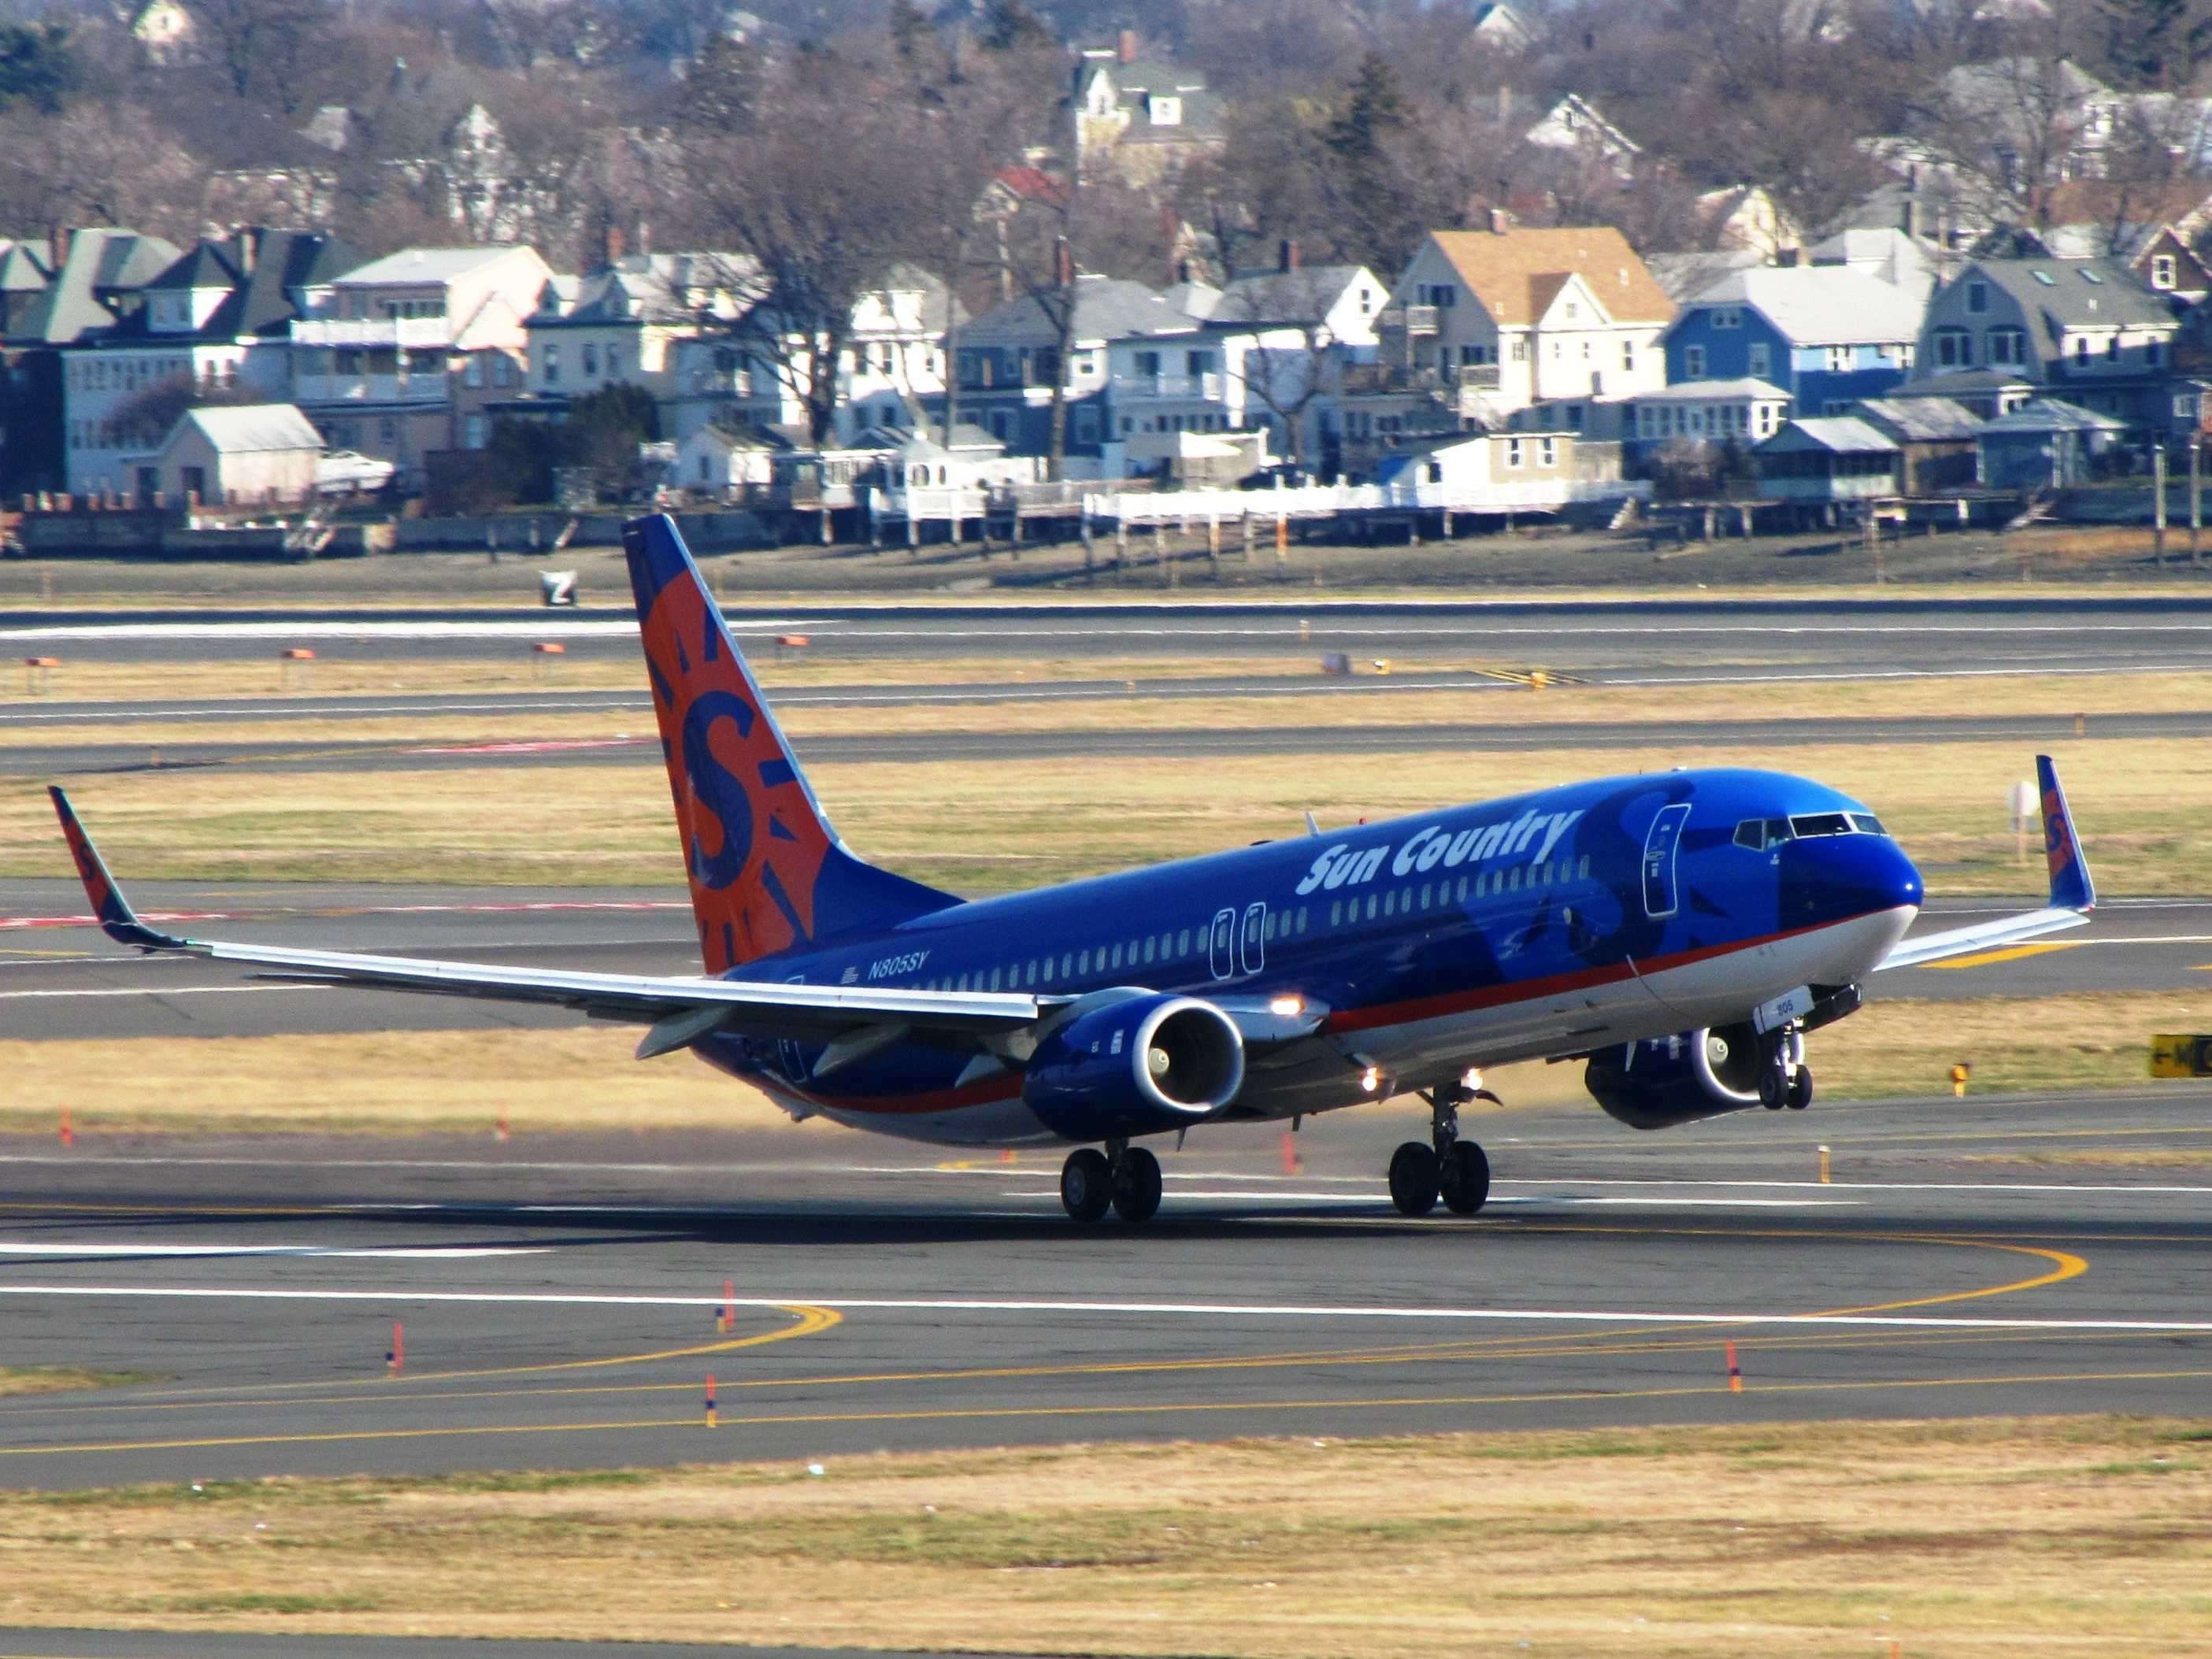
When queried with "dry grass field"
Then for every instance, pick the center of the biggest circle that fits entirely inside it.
(2012, 1539)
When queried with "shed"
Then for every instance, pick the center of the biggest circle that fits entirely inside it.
(1828, 458)
(250, 455)
(718, 460)
(973, 460)
(2046, 444)
(1938, 438)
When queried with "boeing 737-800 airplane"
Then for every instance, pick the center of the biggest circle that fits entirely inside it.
(1678, 931)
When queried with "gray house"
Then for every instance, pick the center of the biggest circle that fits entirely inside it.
(2046, 445)
(1828, 458)
(2085, 330)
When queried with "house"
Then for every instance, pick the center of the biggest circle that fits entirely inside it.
(1574, 123)
(1746, 218)
(238, 455)
(1884, 252)
(1270, 346)
(1938, 441)
(1475, 470)
(218, 318)
(2085, 328)
(621, 325)
(1984, 393)
(52, 295)
(2164, 263)
(723, 461)
(1145, 117)
(1502, 27)
(2047, 443)
(759, 370)
(1828, 460)
(1009, 363)
(409, 350)
(1826, 335)
(1551, 328)
(1742, 411)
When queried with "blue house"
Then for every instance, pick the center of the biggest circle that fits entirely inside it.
(1827, 335)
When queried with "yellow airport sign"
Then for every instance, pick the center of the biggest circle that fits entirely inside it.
(2173, 1055)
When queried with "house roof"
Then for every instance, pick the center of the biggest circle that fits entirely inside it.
(1962, 383)
(2076, 293)
(1304, 295)
(250, 429)
(423, 264)
(1682, 277)
(641, 288)
(267, 269)
(1918, 420)
(98, 261)
(1840, 435)
(1106, 308)
(2053, 415)
(1821, 305)
(1707, 391)
(22, 271)
(1507, 270)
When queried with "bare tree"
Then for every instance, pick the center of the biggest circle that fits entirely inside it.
(95, 165)
(259, 47)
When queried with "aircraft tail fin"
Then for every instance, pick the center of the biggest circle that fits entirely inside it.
(767, 873)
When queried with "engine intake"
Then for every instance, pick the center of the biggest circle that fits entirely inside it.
(1150, 1062)
(1664, 1081)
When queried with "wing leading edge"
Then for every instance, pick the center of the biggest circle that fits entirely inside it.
(2073, 893)
(682, 1008)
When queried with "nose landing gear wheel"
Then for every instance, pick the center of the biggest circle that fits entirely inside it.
(1465, 1178)
(1774, 1088)
(1801, 1089)
(1136, 1185)
(1415, 1176)
(1087, 1185)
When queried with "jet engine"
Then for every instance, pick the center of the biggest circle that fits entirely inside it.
(1663, 1081)
(1150, 1062)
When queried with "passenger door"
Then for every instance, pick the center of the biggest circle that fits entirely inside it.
(1221, 944)
(1253, 947)
(1659, 899)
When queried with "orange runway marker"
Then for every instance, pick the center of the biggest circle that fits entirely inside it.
(69, 1135)
(395, 1357)
(1735, 1373)
(713, 1420)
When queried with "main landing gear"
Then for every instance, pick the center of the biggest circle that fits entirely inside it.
(1448, 1168)
(1784, 1078)
(1128, 1183)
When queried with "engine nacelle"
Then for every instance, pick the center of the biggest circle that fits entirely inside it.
(1148, 1063)
(1663, 1081)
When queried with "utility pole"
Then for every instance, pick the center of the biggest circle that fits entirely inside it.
(2196, 496)
(2158, 502)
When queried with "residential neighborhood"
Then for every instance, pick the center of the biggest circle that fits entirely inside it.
(1939, 332)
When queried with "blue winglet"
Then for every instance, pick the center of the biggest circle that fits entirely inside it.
(2071, 888)
(117, 919)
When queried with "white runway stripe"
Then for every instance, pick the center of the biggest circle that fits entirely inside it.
(397, 1253)
(1300, 1312)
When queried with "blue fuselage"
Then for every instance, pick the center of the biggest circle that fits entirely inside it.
(1546, 924)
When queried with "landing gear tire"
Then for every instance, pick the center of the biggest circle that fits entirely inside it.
(1136, 1186)
(1415, 1176)
(1087, 1185)
(1774, 1088)
(1464, 1178)
(1801, 1089)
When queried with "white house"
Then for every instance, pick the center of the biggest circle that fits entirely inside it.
(1710, 412)
(238, 455)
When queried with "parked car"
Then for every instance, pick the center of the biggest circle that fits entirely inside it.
(1288, 474)
(348, 472)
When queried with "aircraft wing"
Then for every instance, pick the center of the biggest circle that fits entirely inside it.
(680, 1008)
(2073, 894)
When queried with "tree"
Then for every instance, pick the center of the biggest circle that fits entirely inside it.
(602, 430)
(2158, 43)
(36, 66)
(96, 166)
(261, 47)
(1011, 26)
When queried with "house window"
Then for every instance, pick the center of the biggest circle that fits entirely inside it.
(1167, 112)
(2153, 352)
(477, 432)
(1513, 452)
(591, 362)
(2162, 272)
(1727, 317)
(2112, 348)
(1551, 455)
(552, 365)
(1575, 417)
(1977, 297)
(472, 373)
(2080, 348)
(1474, 356)
(614, 362)
(2007, 345)
(1086, 424)
(1628, 354)
(1955, 347)
(1840, 360)
(1759, 364)
(1521, 351)
(1693, 362)
(1002, 426)
(1147, 364)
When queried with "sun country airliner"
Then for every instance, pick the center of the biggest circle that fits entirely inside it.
(1678, 932)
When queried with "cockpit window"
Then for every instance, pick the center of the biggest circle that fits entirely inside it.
(1868, 825)
(1759, 834)
(1821, 823)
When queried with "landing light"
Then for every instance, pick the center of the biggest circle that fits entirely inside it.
(1372, 1078)
(1471, 1078)
(1286, 1007)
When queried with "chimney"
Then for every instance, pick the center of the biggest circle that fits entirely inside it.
(247, 237)
(60, 243)
(1125, 49)
(1063, 263)
(1181, 270)
(1790, 259)
(1286, 256)
(615, 244)
(1500, 222)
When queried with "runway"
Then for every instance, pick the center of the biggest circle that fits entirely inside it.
(559, 1300)
(59, 977)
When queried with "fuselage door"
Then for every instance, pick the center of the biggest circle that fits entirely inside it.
(1660, 901)
(1221, 944)
(1253, 945)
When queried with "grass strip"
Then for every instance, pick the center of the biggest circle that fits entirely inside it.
(583, 1078)
(1996, 1536)
(17, 1381)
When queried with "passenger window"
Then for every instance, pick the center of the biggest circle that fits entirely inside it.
(1117, 963)
(1389, 904)
(1370, 906)
(1514, 879)
(1047, 971)
(963, 982)
(1583, 868)
(1182, 943)
(1067, 964)
(1082, 963)
(1406, 901)
(1336, 913)
(1302, 918)
(1462, 889)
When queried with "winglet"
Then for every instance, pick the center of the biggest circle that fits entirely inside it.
(117, 919)
(2071, 888)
